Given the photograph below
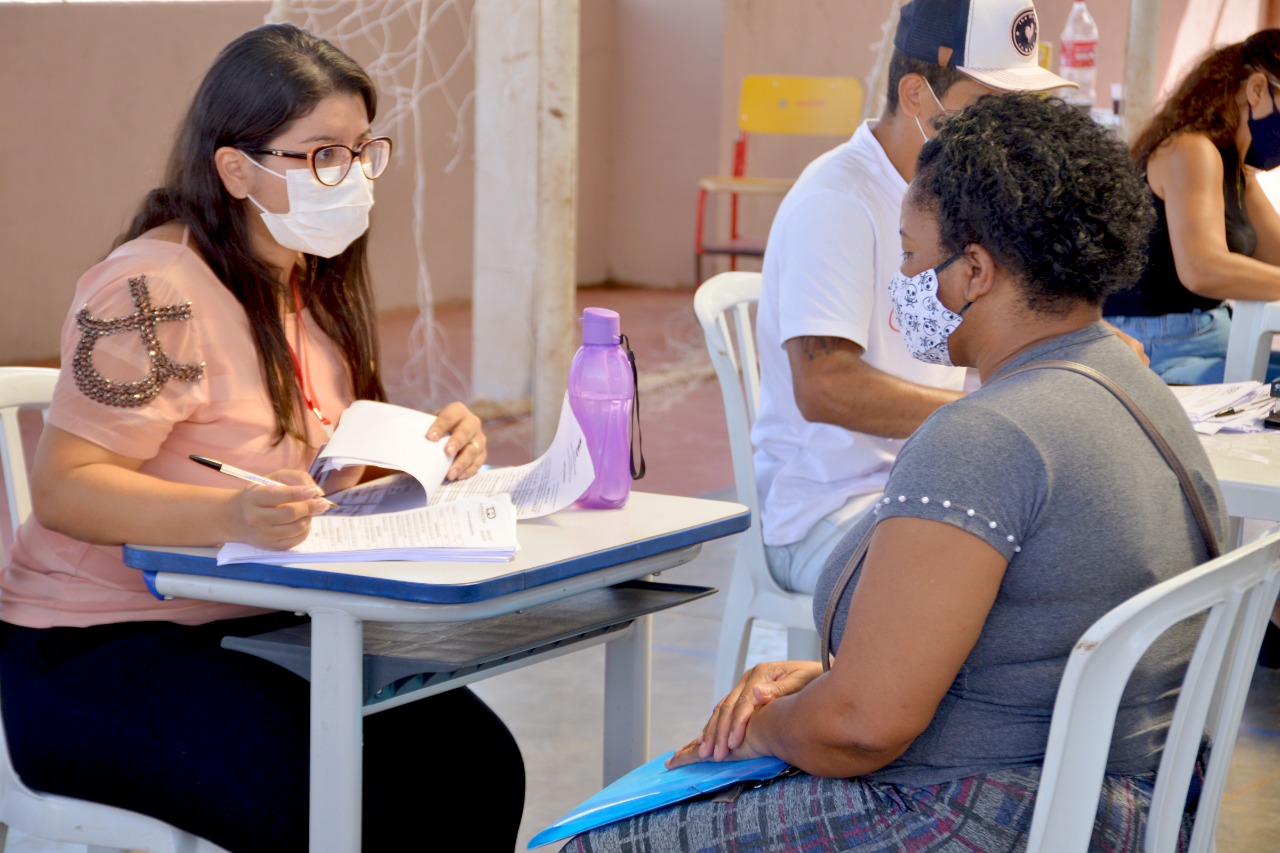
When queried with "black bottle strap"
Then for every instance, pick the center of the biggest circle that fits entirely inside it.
(637, 441)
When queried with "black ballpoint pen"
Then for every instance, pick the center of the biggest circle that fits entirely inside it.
(241, 474)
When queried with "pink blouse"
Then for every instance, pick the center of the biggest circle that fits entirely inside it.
(199, 390)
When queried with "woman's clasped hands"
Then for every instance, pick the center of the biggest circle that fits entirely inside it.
(726, 736)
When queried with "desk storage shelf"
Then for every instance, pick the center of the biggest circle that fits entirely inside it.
(411, 656)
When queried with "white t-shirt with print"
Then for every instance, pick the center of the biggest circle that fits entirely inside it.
(832, 251)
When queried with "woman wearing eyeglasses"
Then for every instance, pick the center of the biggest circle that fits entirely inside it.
(235, 320)
(1217, 236)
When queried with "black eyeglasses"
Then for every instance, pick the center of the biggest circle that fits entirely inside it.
(330, 163)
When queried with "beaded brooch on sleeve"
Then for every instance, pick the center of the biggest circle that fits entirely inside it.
(143, 321)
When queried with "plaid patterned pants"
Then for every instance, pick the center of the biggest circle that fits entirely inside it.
(806, 814)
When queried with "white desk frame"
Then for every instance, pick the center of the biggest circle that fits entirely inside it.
(337, 633)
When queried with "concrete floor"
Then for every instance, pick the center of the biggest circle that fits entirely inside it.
(555, 708)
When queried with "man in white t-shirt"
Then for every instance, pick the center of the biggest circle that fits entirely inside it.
(839, 390)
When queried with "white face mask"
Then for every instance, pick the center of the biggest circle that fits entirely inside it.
(322, 221)
(926, 323)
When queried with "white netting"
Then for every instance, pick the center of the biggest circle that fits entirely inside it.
(882, 50)
(392, 39)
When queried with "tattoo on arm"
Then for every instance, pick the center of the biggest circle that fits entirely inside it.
(814, 346)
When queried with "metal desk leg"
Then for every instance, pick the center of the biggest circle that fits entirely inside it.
(337, 686)
(627, 665)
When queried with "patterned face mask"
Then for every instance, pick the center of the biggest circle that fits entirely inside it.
(926, 323)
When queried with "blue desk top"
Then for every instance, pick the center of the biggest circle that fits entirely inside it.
(563, 545)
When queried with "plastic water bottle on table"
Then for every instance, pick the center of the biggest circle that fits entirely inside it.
(601, 393)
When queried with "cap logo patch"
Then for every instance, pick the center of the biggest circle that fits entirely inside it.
(1025, 32)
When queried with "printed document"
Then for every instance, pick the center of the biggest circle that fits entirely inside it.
(471, 529)
(393, 437)
(416, 515)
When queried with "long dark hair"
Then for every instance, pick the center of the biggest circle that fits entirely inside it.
(1205, 100)
(260, 84)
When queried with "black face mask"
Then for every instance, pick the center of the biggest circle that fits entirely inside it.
(1264, 150)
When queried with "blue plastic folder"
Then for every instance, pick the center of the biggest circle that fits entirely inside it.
(651, 786)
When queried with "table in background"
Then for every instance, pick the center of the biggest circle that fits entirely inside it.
(1248, 469)
(569, 553)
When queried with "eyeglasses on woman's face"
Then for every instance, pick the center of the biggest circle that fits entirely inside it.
(331, 163)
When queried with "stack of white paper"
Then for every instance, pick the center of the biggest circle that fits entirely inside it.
(415, 515)
(473, 529)
(393, 437)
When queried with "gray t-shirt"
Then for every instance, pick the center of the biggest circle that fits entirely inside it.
(1051, 470)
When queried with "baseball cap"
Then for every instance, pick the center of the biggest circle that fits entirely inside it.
(991, 41)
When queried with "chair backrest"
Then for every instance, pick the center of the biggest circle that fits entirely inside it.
(1249, 346)
(20, 388)
(1236, 593)
(724, 304)
(46, 816)
(813, 106)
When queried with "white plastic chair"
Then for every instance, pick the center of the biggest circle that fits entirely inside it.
(1249, 346)
(20, 388)
(45, 816)
(723, 305)
(1236, 592)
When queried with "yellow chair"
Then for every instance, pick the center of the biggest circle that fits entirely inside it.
(809, 106)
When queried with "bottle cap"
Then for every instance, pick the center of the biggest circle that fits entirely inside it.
(601, 326)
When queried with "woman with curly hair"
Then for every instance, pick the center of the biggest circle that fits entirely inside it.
(1217, 236)
(1013, 518)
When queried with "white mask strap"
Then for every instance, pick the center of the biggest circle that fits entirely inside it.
(264, 168)
(945, 112)
(921, 127)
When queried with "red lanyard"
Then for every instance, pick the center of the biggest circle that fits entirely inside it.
(300, 366)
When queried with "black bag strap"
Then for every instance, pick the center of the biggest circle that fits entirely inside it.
(1193, 497)
(1198, 508)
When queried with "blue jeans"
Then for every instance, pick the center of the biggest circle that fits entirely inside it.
(1186, 349)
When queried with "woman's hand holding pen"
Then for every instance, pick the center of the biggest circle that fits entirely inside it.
(277, 516)
(467, 441)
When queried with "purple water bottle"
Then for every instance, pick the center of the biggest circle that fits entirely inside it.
(601, 391)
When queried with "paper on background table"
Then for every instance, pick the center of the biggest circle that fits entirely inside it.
(474, 529)
(651, 786)
(380, 435)
(1203, 403)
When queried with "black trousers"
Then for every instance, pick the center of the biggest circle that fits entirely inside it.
(157, 718)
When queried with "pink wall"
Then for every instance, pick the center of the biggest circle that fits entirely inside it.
(664, 114)
(90, 102)
(91, 83)
(658, 97)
